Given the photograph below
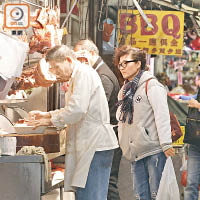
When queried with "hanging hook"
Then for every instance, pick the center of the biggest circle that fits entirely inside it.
(86, 21)
(117, 27)
(99, 29)
(45, 4)
(106, 12)
(127, 2)
(75, 2)
(30, 3)
(133, 5)
(80, 19)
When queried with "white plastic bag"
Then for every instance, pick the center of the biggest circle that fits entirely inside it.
(12, 56)
(168, 189)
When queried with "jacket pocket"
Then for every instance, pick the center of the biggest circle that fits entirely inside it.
(140, 135)
(147, 132)
(141, 142)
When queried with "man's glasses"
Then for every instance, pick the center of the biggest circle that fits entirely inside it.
(124, 63)
(83, 60)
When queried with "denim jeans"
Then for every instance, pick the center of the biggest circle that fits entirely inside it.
(98, 177)
(147, 173)
(113, 192)
(193, 173)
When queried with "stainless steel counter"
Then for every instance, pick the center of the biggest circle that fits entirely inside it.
(23, 178)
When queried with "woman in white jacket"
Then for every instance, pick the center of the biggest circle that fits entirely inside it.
(144, 122)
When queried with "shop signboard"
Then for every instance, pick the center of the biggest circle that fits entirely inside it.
(179, 142)
(166, 37)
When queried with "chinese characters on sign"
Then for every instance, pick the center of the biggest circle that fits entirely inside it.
(165, 38)
(16, 16)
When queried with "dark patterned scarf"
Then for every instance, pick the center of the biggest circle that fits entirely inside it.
(127, 100)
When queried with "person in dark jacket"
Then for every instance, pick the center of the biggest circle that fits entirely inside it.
(193, 163)
(90, 54)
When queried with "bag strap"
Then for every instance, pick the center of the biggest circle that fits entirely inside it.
(146, 85)
(198, 95)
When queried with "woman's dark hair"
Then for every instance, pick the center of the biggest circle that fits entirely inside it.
(136, 54)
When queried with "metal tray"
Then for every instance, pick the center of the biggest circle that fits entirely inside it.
(12, 101)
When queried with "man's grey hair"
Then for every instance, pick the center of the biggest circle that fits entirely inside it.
(59, 53)
(88, 45)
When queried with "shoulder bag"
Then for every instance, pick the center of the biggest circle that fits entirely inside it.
(192, 128)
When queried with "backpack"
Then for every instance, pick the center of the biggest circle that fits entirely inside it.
(175, 125)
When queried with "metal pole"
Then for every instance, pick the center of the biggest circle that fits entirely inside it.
(91, 20)
(142, 13)
(61, 193)
(99, 41)
(63, 25)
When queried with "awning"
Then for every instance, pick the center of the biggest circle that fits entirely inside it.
(179, 109)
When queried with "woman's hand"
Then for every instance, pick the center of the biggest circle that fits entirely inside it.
(194, 103)
(169, 152)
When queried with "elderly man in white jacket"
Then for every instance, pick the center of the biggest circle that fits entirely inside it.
(91, 139)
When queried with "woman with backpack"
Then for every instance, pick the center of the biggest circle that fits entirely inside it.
(144, 122)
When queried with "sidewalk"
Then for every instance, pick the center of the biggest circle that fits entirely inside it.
(55, 195)
(125, 182)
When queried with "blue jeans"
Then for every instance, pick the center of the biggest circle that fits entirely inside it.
(98, 178)
(147, 173)
(113, 192)
(193, 173)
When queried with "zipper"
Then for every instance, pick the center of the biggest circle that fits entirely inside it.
(191, 119)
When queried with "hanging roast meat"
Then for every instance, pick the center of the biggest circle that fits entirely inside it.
(25, 81)
(37, 76)
(40, 41)
(33, 19)
(43, 17)
(44, 39)
(45, 23)
(43, 77)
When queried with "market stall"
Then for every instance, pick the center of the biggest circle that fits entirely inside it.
(26, 176)
(27, 154)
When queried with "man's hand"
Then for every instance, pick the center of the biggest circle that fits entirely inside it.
(169, 152)
(37, 115)
(41, 122)
(37, 118)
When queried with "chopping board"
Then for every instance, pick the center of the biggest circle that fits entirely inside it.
(49, 141)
